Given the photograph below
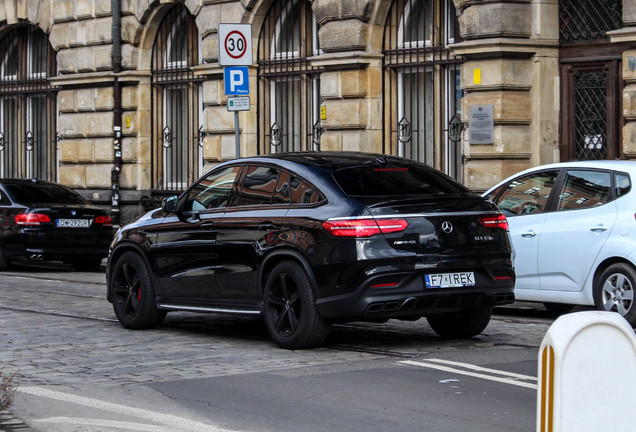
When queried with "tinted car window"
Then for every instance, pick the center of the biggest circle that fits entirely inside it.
(303, 192)
(258, 186)
(623, 184)
(528, 194)
(43, 193)
(281, 194)
(396, 178)
(584, 189)
(213, 191)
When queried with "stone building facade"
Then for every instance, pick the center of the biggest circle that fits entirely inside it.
(124, 100)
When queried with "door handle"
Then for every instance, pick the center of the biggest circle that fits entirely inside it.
(207, 226)
(529, 234)
(599, 229)
(266, 226)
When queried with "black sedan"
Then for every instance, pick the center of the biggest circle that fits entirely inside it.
(41, 220)
(309, 239)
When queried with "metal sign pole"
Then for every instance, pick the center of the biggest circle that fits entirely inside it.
(235, 49)
(237, 104)
(236, 134)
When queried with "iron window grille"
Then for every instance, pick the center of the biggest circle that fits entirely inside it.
(422, 92)
(590, 115)
(288, 85)
(587, 20)
(177, 157)
(28, 105)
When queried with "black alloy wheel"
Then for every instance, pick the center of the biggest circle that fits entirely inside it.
(463, 324)
(289, 308)
(133, 293)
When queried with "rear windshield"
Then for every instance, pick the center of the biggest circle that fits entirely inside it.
(43, 193)
(396, 178)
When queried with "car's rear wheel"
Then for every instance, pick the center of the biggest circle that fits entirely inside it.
(462, 324)
(289, 308)
(133, 294)
(614, 291)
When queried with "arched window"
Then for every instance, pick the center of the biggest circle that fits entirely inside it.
(177, 157)
(28, 144)
(288, 88)
(422, 91)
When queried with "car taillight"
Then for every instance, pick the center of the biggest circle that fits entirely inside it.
(32, 219)
(104, 220)
(365, 227)
(494, 221)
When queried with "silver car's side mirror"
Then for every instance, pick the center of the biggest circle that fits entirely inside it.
(170, 204)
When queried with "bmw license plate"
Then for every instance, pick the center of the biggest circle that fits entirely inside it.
(450, 280)
(73, 223)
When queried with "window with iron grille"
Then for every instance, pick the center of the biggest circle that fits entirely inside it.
(288, 86)
(177, 157)
(28, 142)
(586, 20)
(591, 115)
(590, 104)
(422, 93)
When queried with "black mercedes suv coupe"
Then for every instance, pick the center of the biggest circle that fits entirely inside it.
(310, 239)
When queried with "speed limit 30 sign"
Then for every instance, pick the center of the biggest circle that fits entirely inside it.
(235, 44)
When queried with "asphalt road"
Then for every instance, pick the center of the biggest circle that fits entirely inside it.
(81, 371)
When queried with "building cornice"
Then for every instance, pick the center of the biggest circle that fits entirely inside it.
(503, 47)
(627, 34)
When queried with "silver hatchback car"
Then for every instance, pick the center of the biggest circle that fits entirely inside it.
(573, 228)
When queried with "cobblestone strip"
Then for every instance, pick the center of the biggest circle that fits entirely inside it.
(8, 423)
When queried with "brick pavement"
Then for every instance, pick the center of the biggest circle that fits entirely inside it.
(58, 347)
(71, 338)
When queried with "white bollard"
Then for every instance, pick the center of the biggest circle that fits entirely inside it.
(587, 375)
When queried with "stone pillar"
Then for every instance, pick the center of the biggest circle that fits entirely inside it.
(218, 122)
(351, 84)
(511, 52)
(81, 37)
(628, 34)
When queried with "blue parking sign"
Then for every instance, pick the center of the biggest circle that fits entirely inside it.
(237, 80)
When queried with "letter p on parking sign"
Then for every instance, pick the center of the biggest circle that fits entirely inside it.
(237, 80)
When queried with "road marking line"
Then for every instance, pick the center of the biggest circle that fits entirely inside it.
(178, 423)
(472, 374)
(483, 369)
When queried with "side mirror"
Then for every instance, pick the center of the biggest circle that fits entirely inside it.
(170, 204)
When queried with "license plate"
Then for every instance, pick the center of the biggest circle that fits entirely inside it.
(450, 280)
(73, 223)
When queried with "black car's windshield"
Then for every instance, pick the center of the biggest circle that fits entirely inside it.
(43, 193)
(396, 178)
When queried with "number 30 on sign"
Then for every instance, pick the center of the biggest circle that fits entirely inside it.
(235, 44)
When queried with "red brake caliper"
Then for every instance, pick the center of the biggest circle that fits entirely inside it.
(139, 293)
